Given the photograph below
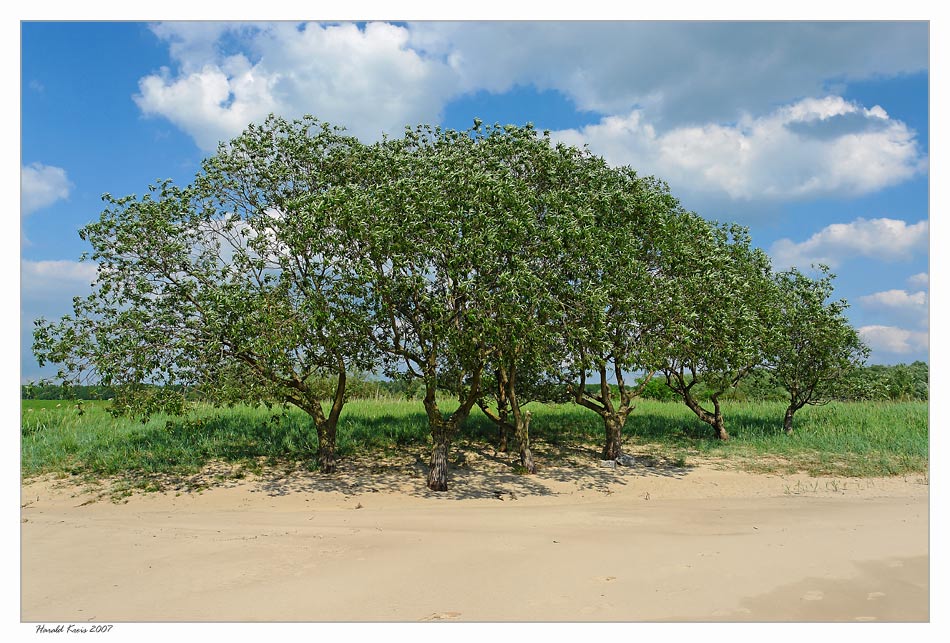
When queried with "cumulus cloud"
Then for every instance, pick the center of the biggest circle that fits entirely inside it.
(46, 281)
(890, 339)
(811, 148)
(921, 279)
(899, 305)
(886, 239)
(895, 299)
(678, 72)
(42, 186)
(677, 75)
(369, 79)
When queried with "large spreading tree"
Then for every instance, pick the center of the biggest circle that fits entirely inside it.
(432, 202)
(238, 283)
(535, 210)
(489, 263)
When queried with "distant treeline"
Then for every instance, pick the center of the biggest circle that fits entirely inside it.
(898, 382)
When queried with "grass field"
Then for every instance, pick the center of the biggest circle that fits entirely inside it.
(843, 439)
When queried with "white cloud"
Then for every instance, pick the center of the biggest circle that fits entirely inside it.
(886, 239)
(46, 290)
(811, 148)
(921, 279)
(368, 80)
(899, 306)
(196, 44)
(681, 75)
(890, 339)
(678, 72)
(42, 186)
(54, 281)
(895, 299)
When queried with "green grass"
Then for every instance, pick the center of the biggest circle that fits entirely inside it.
(842, 439)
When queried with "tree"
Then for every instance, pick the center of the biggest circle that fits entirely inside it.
(534, 207)
(715, 310)
(610, 311)
(813, 346)
(430, 201)
(496, 405)
(238, 283)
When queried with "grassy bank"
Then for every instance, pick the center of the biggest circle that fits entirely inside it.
(843, 439)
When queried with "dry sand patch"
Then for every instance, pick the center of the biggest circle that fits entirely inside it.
(570, 544)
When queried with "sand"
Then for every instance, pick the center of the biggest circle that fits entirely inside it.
(579, 543)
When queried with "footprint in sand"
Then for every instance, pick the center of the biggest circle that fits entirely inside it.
(442, 616)
(873, 596)
(813, 595)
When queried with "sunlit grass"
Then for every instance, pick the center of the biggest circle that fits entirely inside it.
(846, 439)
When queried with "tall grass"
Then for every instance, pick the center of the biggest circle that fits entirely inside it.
(859, 439)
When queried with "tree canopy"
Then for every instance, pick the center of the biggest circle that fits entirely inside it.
(489, 263)
(813, 347)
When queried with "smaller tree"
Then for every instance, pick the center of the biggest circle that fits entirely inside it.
(533, 203)
(717, 303)
(506, 390)
(814, 344)
(611, 315)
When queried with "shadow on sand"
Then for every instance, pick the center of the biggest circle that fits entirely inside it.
(476, 471)
(391, 454)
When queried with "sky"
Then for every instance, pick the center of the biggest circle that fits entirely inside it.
(815, 135)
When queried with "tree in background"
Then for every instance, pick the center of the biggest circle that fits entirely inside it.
(813, 346)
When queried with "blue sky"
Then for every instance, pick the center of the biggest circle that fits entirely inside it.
(815, 135)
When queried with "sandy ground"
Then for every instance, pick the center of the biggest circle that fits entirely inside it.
(570, 544)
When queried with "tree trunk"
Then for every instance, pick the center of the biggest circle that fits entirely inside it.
(714, 419)
(613, 424)
(501, 421)
(503, 427)
(326, 438)
(720, 426)
(789, 414)
(443, 430)
(438, 478)
(718, 423)
(326, 451)
(522, 422)
(326, 426)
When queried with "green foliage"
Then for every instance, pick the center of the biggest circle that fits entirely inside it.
(878, 382)
(759, 385)
(812, 346)
(485, 262)
(46, 391)
(225, 281)
(716, 304)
